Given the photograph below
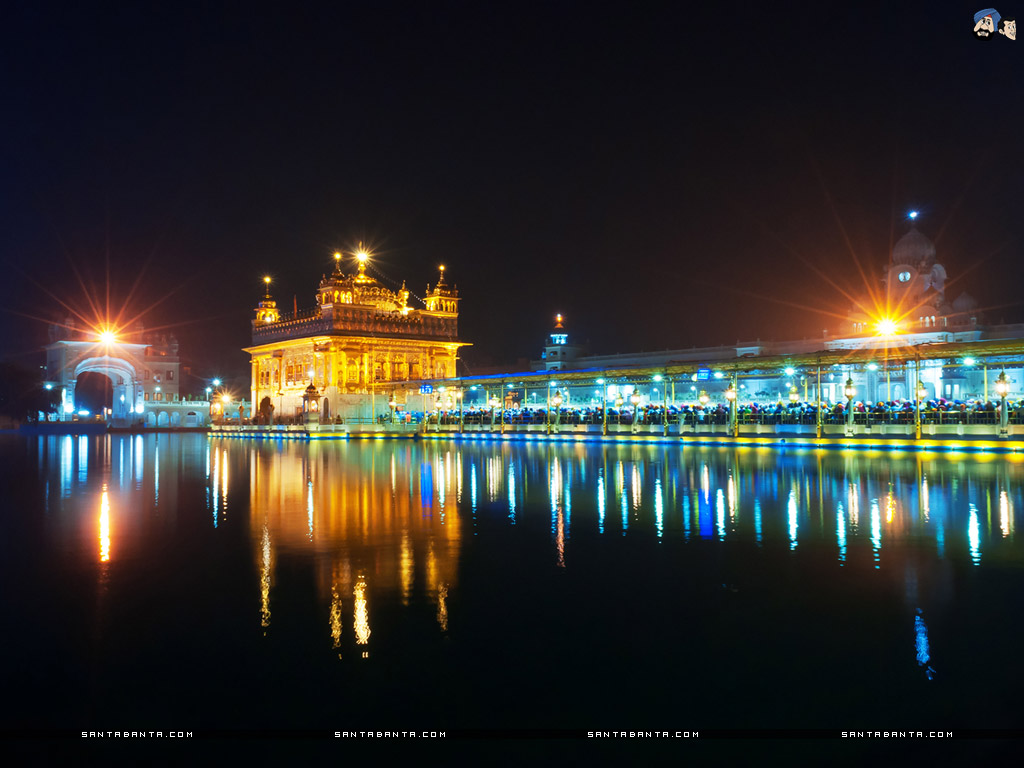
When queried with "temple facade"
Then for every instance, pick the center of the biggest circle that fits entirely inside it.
(360, 338)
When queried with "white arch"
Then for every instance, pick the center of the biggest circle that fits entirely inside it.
(122, 374)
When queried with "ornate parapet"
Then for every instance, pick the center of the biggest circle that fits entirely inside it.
(356, 321)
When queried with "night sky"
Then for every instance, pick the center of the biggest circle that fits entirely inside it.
(664, 176)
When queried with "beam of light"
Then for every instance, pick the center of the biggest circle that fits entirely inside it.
(886, 326)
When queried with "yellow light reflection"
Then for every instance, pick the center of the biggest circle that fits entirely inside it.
(406, 566)
(1005, 514)
(104, 526)
(362, 619)
(265, 578)
(335, 619)
(442, 607)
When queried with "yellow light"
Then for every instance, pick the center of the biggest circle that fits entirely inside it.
(267, 279)
(362, 256)
(226, 399)
(108, 337)
(337, 256)
(887, 327)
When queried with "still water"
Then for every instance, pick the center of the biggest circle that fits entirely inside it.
(194, 582)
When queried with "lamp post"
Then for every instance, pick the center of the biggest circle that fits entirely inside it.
(493, 403)
(547, 412)
(458, 396)
(849, 391)
(619, 401)
(635, 400)
(730, 395)
(794, 396)
(557, 402)
(920, 394)
(1002, 388)
(392, 404)
(817, 410)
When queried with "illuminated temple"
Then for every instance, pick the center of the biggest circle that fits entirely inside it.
(361, 337)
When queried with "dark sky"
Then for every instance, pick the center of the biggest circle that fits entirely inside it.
(664, 177)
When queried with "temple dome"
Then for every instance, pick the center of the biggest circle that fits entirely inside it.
(913, 249)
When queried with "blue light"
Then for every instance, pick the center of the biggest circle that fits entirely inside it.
(912, 215)
(48, 386)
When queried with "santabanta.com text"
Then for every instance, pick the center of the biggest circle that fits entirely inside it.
(643, 734)
(136, 734)
(390, 735)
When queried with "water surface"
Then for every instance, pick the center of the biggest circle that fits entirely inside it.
(215, 583)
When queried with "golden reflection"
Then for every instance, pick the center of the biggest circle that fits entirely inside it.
(362, 619)
(442, 607)
(335, 619)
(1005, 514)
(560, 538)
(407, 565)
(224, 484)
(104, 526)
(265, 578)
(890, 505)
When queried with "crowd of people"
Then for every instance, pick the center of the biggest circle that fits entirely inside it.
(939, 411)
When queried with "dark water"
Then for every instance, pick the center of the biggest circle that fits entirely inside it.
(186, 582)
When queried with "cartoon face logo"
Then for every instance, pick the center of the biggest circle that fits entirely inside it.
(1008, 28)
(985, 22)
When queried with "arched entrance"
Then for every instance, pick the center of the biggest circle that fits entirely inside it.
(94, 394)
(125, 387)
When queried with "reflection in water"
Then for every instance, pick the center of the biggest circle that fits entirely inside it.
(758, 533)
(841, 534)
(104, 526)
(659, 509)
(974, 535)
(387, 515)
(442, 607)
(793, 524)
(921, 644)
(265, 578)
(335, 618)
(362, 619)
(876, 532)
(512, 493)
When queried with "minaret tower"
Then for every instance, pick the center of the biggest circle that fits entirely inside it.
(266, 310)
(442, 300)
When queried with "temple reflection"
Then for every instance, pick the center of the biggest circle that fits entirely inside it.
(382, 526)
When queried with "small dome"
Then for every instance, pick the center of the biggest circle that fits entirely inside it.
(964, 302)
(913, 248)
